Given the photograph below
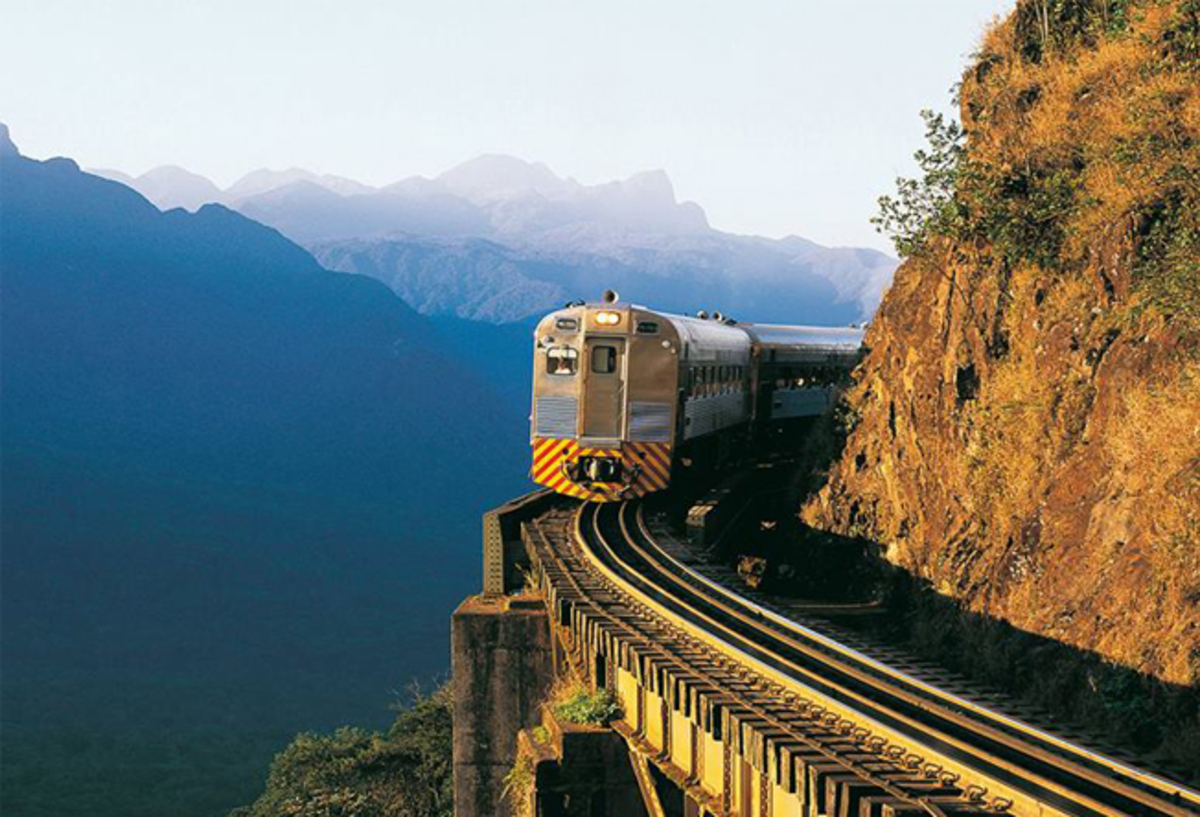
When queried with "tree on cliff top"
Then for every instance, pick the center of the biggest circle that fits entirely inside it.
(405, 772)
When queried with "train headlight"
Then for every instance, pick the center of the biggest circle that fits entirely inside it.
(608, 318)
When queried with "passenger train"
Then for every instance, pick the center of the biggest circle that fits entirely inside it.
(623, 395)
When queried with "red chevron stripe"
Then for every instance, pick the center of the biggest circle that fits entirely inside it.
(556, 480)
(552, 460)
(548, 467)
(547, 449)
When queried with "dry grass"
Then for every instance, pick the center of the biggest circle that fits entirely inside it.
(1119, 118)
(1154, 448)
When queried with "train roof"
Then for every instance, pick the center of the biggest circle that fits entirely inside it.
(846, 339)
(699, 332)
(840, 343)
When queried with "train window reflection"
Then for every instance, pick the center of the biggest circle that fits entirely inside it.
(604, 359)
(561, 360)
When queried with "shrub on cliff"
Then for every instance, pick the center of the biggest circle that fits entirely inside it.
(594, 708)
(1079, 122)
(405, 772)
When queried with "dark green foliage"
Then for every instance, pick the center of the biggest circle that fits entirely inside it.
(404, 773)
(596, 708)
(1167, 269)
(1054, 25)
(926, 206)
(1181, 42)
(1021, 212)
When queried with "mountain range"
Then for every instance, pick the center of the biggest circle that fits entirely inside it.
(241, 496)
(498, 239)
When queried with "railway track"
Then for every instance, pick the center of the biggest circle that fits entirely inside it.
(817, 718)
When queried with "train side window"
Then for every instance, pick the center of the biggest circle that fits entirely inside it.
(562, 360)
(647, 328)
(604, 359)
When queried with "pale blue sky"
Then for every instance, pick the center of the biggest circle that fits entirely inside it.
(777, 117)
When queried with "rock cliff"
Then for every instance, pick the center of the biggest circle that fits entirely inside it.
(1025, 431)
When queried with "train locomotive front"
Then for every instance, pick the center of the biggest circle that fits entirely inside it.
(608, 381)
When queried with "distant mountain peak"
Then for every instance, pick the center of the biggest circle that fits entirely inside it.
(493, 176)
(170, 186)
(113, 175)
(656, 181)
(171, 170)
(265, 180)
(7, 146)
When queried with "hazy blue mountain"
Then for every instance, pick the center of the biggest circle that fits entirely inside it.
(472, 279)
(494, 176)
(307, 211)
(169, 186)
(241, 495)
(496, 236)
(549, 239)
(489, 281)
(114, 175)
(263, 181)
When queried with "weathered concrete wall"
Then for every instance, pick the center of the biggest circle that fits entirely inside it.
(579, 771)
(501, 658)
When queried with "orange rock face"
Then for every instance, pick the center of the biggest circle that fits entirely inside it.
(1028, 429)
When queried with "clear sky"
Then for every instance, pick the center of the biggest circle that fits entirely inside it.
(777, 117)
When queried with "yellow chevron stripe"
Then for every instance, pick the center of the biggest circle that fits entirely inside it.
(651, 460)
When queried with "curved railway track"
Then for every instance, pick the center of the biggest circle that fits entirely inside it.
(882, 735)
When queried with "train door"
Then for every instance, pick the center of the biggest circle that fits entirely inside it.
(604, 388)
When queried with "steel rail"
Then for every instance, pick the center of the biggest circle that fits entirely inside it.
(1163, 789)
(751, 614)
(597, 540)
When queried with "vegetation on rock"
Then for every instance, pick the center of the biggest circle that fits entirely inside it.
(584, 707)
(405, 772)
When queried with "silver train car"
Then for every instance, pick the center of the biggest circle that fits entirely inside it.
(622, 395)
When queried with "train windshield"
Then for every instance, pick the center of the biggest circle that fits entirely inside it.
(562, 360)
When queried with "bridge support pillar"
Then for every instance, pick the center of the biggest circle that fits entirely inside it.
(502, 665)
(573, 770)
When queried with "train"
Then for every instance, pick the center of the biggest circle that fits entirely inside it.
(625, 396)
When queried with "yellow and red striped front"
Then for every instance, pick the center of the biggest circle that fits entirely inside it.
(647, 464)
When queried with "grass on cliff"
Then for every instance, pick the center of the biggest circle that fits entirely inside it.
(1080, 129)
(406, 770)
(585, 707)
